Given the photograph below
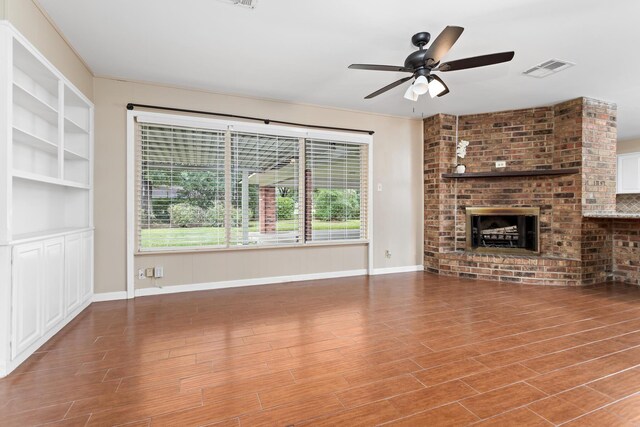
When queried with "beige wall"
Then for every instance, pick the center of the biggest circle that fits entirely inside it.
(397, 210)
(632, 146)
(30, 21)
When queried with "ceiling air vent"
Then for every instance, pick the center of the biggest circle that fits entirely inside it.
(547, 68)
(245, 3)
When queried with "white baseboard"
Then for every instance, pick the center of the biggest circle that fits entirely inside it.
(110, 296)
(394, 270)
(247, 282)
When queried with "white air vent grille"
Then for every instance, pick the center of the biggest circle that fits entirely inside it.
(547, 68)
(245, 3)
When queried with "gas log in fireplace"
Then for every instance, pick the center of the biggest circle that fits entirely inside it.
(503, 230)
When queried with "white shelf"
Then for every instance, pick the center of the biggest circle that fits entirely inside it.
(32, 103)
(72, 155)
(23, 137)
(48, 234)
(73, 127)
(48, 180)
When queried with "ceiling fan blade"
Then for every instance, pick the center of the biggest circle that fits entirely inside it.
(442, 44)
(446, 88)
(387, 87)
(374, 67)
(476, 61)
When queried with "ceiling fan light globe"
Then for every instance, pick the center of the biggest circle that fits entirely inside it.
(421, 85)
(436, 88)
(410, 94)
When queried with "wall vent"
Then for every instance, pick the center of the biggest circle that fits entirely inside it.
(547, 68)
(244, 3)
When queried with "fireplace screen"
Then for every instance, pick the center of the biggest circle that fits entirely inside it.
(503, 230)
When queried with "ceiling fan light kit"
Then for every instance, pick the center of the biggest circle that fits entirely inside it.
(421, 85)
(410, 94)
(436, 87)
(423, 62)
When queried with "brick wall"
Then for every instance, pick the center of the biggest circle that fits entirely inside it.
(439, 153)
(523, 138)
(599, 139)
(580, 134)
(626, 250)
(597, 262)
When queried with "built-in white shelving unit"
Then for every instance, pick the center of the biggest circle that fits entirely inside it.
(46, 199)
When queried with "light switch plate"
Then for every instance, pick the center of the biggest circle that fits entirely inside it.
(158, 272)
(149, 272)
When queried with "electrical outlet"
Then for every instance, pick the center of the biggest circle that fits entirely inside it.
(501, 164)
(158, 272)
(379, 187)
(387, 254)
(141, 275)
(149, 272)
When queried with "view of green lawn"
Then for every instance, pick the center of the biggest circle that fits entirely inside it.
(212, 236)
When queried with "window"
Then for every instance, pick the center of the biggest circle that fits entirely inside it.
(182, 187)
(224, 185)
(336, 187)
(264, 194)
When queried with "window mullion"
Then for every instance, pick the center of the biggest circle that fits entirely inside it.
(227, 188)
(302, 191)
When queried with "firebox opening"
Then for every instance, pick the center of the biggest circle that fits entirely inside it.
(503, 230)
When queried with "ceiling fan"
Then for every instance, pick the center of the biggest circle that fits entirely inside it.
(423, 62)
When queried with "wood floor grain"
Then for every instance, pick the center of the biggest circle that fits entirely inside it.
(408, 349)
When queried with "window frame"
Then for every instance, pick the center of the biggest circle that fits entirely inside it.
(133, 145)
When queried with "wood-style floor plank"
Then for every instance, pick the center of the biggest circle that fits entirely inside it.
(408, 349)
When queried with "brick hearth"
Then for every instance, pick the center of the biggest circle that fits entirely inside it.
(574, 250)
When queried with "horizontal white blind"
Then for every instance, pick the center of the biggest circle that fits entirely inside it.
(265, 206)
(336, 180)
(181, 187)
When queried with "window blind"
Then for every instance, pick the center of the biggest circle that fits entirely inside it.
(265, 203)
(336, 190)
(181, 187)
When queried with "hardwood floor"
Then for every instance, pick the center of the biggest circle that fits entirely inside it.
(409, 349)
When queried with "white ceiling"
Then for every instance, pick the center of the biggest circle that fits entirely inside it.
(299, 50)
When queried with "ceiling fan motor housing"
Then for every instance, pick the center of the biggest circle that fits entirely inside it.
(416, 60)
(421, 39)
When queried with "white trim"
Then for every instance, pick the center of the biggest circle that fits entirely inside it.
(395, 270)
(370, 206)
(110, 296)
(240, 126)
(131, 205)
(248, 282)
(176, 120)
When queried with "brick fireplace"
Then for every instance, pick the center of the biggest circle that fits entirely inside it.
(561, 161)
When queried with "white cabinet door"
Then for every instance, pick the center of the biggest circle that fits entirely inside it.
(87, 265)
(629, 173)
(72, 272)
(26, 323)
(53, 283)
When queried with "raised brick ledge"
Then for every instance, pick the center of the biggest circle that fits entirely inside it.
(463, 254)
